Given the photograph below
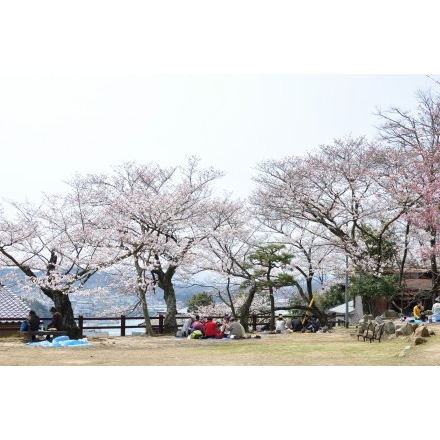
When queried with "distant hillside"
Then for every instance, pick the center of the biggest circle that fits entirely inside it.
(183, 292)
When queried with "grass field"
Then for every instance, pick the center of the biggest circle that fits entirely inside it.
(339, 348)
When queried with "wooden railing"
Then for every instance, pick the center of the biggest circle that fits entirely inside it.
(255, 322)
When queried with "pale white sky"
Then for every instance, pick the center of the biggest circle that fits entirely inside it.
(52, 126)
(88, 84)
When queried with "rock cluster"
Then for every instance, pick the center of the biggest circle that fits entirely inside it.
(395, 328)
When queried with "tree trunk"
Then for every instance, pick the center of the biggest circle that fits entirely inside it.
(148, 327)
(245, 308)
(166, 284)
(63, 305)
(272, 309)
(142, 295)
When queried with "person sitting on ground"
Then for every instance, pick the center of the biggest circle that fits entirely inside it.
(419, 311)
(296, 324)
(186, 328)
(198, 325)
(219, 334)
(305, 321)
(224, 329)
(312, 325)
(436, 310)
(210, 328)
(280, 324)
(236, 330)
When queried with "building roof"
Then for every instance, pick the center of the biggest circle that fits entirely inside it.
(11, 306)
(341, 308)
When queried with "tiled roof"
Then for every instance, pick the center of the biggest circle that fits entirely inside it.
(11, 306)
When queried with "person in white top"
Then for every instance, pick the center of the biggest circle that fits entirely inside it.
(280, 324)
(436, 310)
(187, 325)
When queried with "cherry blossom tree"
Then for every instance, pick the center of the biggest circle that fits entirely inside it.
(160, 217)
(340, 194)
(226, 254)
(335, 188)
(414, 138)
(247, 263)
(58, 247)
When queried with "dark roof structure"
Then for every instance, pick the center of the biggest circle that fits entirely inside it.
(11, 306)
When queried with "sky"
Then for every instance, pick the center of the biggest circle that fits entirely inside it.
(236, 85)
(53, 126)
(85, 85)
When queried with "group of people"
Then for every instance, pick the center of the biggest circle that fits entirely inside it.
(33, 322)
(297, 324)
(419, 311)
(195, 327)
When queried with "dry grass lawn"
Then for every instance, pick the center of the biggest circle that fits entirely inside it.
(340, 348)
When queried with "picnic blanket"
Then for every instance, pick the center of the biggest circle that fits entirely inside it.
(61, 341)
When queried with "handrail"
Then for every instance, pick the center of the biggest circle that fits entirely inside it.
(254, 322)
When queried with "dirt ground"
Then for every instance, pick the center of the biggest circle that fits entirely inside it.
(295, 349)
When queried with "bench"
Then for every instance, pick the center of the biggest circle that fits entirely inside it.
(373, 332)
(27, 335)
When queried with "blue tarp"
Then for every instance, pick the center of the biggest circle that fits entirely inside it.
(61, 341)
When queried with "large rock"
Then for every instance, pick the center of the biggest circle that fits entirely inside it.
(408, 331)
(390, 314)
(405, 329)
(389, 328)
(421, 332)
(418, 341)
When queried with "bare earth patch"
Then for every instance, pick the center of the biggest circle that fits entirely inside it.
(339, 348)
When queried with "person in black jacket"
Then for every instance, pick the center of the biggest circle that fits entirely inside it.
(57, 319)
(56, 323)
(312, 325)
(296, 324)
(34, 321)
